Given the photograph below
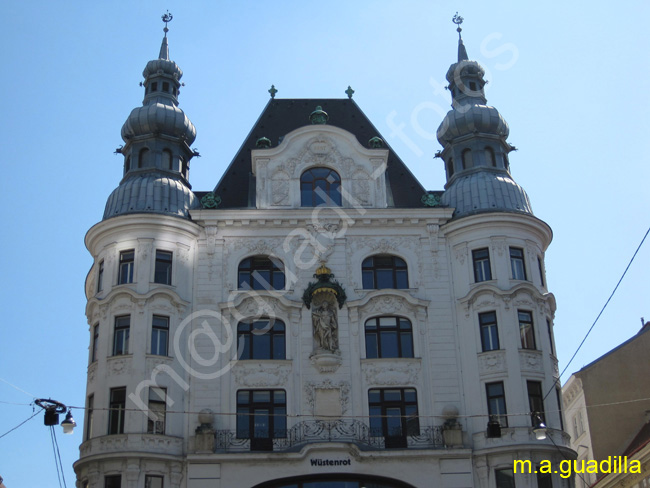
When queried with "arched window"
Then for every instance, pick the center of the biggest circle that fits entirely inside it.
(389, 337)
(450, 168)
(261, 273)
(467, 159)
(506, 165)
(127, 164)
(143, 158)
(167, 159)
(489, 156)
(384, 271)
(261, 339)
(320, 186)
(184, 168)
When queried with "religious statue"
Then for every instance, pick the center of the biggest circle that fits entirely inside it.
(325, 327)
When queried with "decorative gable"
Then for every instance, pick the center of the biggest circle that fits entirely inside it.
(278, 170)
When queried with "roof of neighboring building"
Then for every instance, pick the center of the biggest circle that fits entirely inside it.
(644, 329)
(640, 440)
(281, 116)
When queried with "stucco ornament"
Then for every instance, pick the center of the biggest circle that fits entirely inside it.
(430, 199)
(210, 200)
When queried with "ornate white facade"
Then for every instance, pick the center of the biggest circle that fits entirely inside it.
(390, 386)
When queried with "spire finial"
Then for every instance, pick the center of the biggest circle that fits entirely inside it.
(272, 91)
(349, 92)
(462, 52)
(458, 20)
(166, 18)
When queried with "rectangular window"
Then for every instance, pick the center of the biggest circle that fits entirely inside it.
(116, 410)
(163, 271)
(496, 402)
(159, 335)
(121, 335)
(526, 330)
(157, 410)
(261, 417)
(394, 415)
(549, 328)
(262, 339)
(389, 337)
(558, 396)
(544, 480)
(93, 350)
(153, 481)
(113, 481)
(126, 267)
(489, 331)
(541, 270)
(89, 416)
(504, 478)
(536, 401)
(481, 259)
(100, 276)
(517, 264)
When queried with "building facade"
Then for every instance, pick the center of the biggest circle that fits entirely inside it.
(319, 319)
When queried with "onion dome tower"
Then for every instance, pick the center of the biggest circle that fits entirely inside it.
(157, 151)
(475, 151)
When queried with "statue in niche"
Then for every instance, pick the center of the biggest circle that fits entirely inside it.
(325, 326)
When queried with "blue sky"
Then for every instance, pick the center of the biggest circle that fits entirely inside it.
(571, 81)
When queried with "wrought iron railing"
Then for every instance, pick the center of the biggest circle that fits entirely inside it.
(342, 430)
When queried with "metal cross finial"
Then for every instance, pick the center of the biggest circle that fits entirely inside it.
(458, 20)
(167, 18)
(272, 91)
(349, 92)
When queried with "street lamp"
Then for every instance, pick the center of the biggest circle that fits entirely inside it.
(539, 428)
(52, 410)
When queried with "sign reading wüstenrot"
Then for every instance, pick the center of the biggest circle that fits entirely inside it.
(330, 462)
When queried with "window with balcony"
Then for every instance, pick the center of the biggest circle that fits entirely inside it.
(389, 337)
(394, 415)
(481, 260)
(320, 186)
(159, 335)
(157, 410)
(116, 410)
(384, 271)
(126, 267)
(496, 402)
(526, 329)
(489, 331)
(121, 335)
(517, 266)
(261, 273)
(163, 268)
(261, 417)
(261, 339)
(536, 401)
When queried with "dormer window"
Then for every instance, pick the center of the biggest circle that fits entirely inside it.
(472, 85)
(143, 158)
(450, 167)
(489, 157)
(467, 159)
(165, 87)
(127, 164)
(320, 187)
(167, 159)
(154, 86)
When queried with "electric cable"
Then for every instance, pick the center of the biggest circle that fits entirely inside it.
(23, 422)
(56, 463)
(598, 317)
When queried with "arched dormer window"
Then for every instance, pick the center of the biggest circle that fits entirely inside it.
(143, 158)
(489, 157)
(450, 167)
(320, 186)
(467, 159)
(260, 273)
(167, 159)
(261, 339)
(384, 271)
(389, 337)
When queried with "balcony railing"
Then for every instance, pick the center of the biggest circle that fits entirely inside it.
(313, 431)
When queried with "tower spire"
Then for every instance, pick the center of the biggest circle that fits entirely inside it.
(462, 52)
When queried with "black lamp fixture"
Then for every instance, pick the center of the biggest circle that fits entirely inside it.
(493, 427)
(539, 427)
(52, 410)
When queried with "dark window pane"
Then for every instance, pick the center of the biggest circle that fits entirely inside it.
(389, 345)
(371, 345)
